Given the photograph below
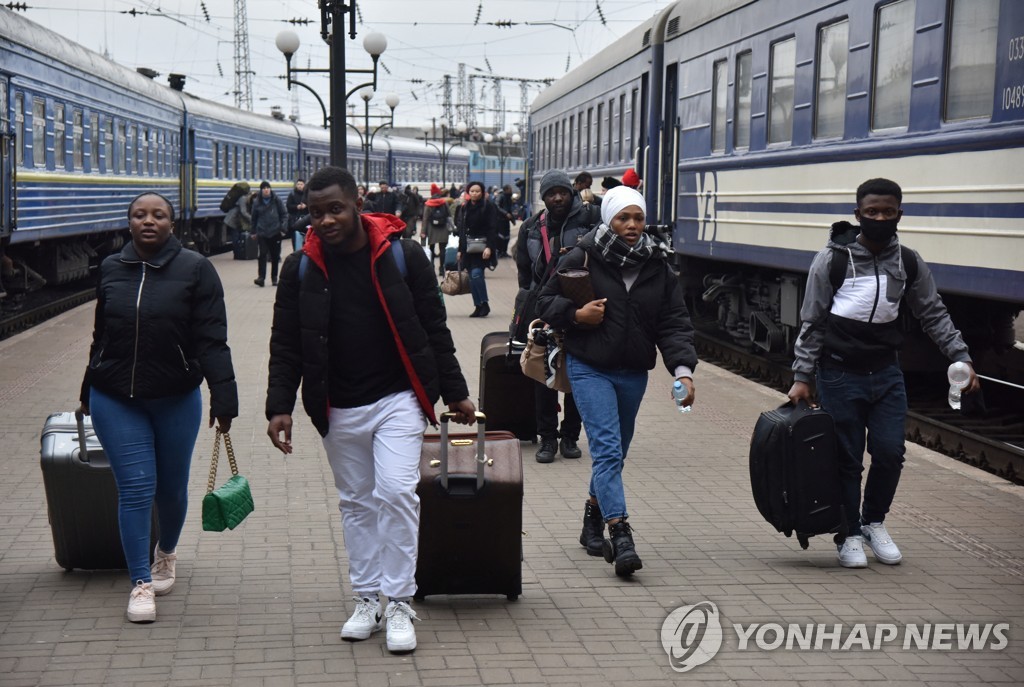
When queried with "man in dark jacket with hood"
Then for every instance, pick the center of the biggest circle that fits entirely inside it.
(564, 220)
(364, 332)
(270, 223)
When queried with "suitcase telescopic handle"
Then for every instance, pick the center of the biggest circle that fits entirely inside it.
(481, 459)
(83, 452)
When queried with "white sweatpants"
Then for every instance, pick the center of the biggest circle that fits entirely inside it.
(374, 451)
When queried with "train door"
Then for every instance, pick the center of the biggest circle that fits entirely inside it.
(7, 141)
(668, 150)
(187, 186)
(640, 159)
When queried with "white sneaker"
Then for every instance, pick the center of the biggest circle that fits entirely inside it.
(142, 603)
(851, 552)
(365, 621)
(401, 633)
(162, 571)
(882, 545)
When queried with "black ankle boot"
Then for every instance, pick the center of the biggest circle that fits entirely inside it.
(619, 549)
(485, 310)
(592, 536)
(476, 312)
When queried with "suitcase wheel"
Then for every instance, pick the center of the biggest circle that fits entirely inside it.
(418, 597)
(512, 597)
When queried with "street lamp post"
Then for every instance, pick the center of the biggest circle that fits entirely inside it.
(367, 141)
(332, 29)
(502, 155)
(445, 149)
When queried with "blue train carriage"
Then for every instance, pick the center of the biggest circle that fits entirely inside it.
(492, 170)
(759, 118)
(80, 137)
(785, 108)
(595, 118)
(419, 165)
(226, 145)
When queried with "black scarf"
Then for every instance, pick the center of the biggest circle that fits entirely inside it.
(616, 251)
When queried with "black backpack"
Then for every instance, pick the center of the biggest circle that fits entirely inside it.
(439, 215)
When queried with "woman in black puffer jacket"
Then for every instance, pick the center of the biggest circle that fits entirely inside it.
(477, 219)
(610, 346)
(161, 327)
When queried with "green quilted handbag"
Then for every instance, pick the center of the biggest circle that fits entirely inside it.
(226, 507)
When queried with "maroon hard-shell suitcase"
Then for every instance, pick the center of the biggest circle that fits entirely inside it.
(81, 496)
(471, 514)
(506, 394)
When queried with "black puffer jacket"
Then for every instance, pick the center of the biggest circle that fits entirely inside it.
(161, 327)
(299, 349)
(650, 314)
(530, 260)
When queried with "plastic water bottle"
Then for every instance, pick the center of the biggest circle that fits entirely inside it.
(679, 394)
(958, 375)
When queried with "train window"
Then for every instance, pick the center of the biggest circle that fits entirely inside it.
(3, 105)
(226, 161)
(622, 120)
(94, 142)
(39, 132)
(741, 122)
(830, 108)
(60, 147)
(780, 98)
(894, 62)
(108, 146)
(590, 128)
(634, 121)
(573, 133)
(971, 71)
(19, 128)
(158, 148)
(150, 145)
(77, 139)
(131, 148)
(137, 148)
(719, 98)
(597, 134)
(216, 160)
(121, 148)
(611, 124)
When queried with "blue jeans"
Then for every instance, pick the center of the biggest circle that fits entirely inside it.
(477, 285)
(608, 401)
(874, 403)
(149, 444)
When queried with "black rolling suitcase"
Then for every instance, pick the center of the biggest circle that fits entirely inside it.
(81, 496)
(248, 246)
(506, 394)
(471, 514)
(794, 471)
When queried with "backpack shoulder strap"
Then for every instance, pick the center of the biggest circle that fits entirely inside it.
(837, 268)
(399, 254)
(909, 264)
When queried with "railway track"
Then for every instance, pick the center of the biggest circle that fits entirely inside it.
(994, 443)
(40, 306)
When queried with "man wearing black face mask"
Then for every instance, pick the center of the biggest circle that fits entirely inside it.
(850, 338)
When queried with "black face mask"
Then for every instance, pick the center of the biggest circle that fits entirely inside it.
(878, 230)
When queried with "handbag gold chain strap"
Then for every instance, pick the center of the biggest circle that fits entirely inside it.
(212, 483)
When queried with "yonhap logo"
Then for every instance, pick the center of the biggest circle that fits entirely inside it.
(691, 635)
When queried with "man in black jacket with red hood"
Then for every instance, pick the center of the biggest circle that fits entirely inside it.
(365, 333)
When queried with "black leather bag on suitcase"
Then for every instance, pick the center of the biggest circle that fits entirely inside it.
(506, 394)
(81, 496)
(471, 514)
(794, 472)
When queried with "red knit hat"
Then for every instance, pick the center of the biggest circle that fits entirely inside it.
(631, 179)
(435, 190)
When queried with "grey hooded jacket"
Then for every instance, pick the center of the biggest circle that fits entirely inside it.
(860, 330)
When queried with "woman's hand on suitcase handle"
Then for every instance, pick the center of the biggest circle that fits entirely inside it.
(83, 409)
(281, 424)
(465, 412)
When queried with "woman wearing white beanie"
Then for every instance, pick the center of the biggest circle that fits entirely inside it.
(610, 346)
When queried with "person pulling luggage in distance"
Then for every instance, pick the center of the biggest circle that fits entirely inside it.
(564, 220)
(365, 333)
(850, 340)
(151, 349)
(610, 345)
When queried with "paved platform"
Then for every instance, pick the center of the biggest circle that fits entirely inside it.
(262, 605)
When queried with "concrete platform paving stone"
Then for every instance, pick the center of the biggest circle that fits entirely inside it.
(262, 605)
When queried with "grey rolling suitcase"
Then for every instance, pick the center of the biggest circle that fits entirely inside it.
(81, 496)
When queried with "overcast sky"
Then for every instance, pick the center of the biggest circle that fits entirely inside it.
(426, 39)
